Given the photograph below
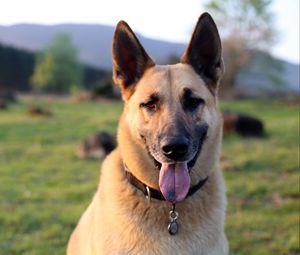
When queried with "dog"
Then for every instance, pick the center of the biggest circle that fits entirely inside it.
(244, 125)
(161, 190)
(96, 146)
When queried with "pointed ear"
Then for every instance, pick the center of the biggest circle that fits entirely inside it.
(204, 52)
(129, 58)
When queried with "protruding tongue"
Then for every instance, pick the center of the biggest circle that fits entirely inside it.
(174, 181)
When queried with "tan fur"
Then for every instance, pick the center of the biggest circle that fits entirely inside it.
(120, 220)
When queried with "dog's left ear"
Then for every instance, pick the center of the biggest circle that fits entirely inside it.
(204, 52)
(130, 59)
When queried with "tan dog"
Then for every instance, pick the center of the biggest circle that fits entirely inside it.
(168, 153)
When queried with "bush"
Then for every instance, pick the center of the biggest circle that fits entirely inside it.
(105, 88)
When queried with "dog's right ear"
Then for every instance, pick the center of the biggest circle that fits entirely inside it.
(129, 58)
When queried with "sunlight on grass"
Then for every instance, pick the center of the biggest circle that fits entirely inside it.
(45, 188)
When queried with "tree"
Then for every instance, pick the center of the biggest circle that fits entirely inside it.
(173, 59)
(16, 67)
(247, 27)
(57, 69)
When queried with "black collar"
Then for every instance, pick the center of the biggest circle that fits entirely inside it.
(153, 193)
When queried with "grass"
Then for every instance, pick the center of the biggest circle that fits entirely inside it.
(44, 188)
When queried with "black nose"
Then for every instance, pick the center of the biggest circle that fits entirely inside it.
(175, 148)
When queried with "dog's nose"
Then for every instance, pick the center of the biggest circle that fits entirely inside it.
(175, 148)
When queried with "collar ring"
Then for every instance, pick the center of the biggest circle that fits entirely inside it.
(148, 196)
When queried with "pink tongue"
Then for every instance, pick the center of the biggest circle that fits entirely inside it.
(174, 181)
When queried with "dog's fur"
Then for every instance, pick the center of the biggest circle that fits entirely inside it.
(120, 220)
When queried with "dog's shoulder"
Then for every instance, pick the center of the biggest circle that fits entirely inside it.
(111, 166)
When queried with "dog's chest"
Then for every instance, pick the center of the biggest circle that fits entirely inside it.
(141, 235)
(166, 246)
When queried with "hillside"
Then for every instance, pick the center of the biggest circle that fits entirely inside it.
(93, 41)
(94, 44)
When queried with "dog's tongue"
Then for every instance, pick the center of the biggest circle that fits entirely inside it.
(174, 181)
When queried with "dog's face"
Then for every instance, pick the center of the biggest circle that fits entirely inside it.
(171, 110)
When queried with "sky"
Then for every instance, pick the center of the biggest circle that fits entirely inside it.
(171, 20)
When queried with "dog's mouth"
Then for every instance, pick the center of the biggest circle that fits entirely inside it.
(174, 177)
(190, 163)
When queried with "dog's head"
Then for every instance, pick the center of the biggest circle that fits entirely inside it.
(171, 115)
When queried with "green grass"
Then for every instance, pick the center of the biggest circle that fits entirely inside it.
(44, 188)
(262, 177)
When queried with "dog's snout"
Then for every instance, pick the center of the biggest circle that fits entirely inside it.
(175, 148)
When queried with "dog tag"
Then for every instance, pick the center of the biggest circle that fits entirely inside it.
(173, 225)
(173, 228)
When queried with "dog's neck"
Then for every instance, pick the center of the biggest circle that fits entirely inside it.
(154, 193)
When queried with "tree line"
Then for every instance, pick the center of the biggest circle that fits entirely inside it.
(247, 28)
(16, 68)
(56, 69)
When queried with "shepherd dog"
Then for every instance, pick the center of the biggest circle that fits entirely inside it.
(161, 190)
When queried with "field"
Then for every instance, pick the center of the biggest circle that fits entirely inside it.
(44, 188)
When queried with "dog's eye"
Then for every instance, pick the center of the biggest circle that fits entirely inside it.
(150, 105)
(193, 103)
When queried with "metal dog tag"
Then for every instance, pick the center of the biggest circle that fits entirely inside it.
(173, 228)
(173, 225)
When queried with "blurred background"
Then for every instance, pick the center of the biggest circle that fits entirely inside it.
(59, 111)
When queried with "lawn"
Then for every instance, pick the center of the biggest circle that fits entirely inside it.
(44, 188)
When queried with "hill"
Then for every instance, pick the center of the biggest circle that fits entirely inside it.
(93, 41)
(94, 44)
